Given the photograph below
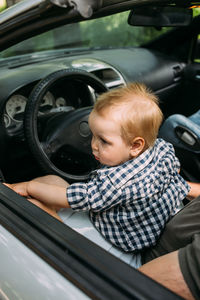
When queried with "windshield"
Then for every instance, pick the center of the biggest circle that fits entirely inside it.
(110, 31)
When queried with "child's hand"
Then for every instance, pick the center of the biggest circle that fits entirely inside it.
(19, 188)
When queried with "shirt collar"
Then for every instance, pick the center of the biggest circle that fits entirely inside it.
(119, 175)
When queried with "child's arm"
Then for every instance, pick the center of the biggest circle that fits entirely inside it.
(20, 188)
(51, 195)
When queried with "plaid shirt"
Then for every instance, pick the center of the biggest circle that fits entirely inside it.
(131, 203)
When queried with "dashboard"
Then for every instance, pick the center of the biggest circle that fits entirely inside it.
(63, 96)
(109, 68)
(113, 67)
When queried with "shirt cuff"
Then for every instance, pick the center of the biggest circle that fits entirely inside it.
(77, 197)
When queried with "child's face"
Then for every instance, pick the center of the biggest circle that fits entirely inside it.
(107, 144)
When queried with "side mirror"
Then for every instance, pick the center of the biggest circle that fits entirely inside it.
(160, 16)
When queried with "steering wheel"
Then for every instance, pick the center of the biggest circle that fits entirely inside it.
(65, 145)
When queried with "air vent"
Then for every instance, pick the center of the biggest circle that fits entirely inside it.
(178, 71)
(110, 77)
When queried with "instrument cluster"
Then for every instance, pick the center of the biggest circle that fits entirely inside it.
(16, 104)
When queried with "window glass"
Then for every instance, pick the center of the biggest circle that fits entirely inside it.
(196, 12)
(111, 31)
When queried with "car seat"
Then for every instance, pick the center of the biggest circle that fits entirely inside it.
(184, 133)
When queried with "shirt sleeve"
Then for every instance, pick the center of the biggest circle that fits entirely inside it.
(98, 194)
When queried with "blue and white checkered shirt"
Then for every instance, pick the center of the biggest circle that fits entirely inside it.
(131, 203)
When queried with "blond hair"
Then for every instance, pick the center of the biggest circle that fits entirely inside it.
(140, 113)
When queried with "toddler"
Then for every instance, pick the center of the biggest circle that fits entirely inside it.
(138, 187)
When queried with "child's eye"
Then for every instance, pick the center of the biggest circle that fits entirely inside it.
(104, 141)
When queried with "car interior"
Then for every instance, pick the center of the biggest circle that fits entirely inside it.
(45, 100)
(171, 72)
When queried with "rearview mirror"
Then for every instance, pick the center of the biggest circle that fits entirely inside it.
(160, 16)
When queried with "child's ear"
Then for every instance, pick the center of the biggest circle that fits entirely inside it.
(137, 146)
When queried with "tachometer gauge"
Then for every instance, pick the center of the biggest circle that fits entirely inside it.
(15, 107)
(47, 102)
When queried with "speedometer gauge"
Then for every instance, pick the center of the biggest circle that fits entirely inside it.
(15, 107)
(6, 120)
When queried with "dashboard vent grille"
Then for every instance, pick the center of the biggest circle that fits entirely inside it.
(178, 71)
(110, 77)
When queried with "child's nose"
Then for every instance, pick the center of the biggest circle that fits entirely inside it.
(94, 143)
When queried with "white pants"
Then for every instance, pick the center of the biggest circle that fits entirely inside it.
(80, 222)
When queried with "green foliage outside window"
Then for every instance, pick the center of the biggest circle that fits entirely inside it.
(111, 31)
(196, 12)
(2, 5)
(114, 31)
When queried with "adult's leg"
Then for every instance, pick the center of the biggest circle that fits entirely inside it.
(52, 179)
(166, 271)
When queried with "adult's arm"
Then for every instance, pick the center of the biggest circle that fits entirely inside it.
(166, 270)
(194, 190)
